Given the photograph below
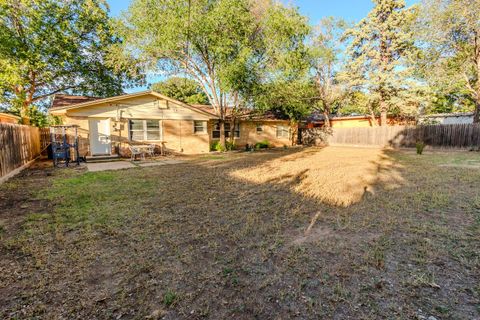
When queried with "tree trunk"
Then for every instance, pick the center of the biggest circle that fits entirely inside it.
(326, 121)
(25, 96)
(383, 113)
(373, 119)
(221, 124)
(231, 136)
(476, 116)
(24, 111)
(294, 130)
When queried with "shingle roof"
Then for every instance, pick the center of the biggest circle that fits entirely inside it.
(205, 108)
(244, 114)
(66, 102)
(63, 100)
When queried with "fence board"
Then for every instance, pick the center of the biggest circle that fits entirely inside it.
(439, 136)
(19, 144)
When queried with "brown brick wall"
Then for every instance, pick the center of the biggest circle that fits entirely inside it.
(249, 135)
(179, 136)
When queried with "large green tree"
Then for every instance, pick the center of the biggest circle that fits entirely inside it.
(326, 62)
(449, 34)
(183, 89)
(379, 45)
(50, 46)
(227, 46)
(292, 99)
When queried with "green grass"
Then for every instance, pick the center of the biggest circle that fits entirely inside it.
(169, 298)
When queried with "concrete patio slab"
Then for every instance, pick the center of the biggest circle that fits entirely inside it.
(113, 165)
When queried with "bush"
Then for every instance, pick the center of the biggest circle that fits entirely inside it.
(230, 145)
(420, 146)
(262, 144)
(216, 146)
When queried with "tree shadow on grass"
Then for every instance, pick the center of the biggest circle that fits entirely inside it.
(221, 245)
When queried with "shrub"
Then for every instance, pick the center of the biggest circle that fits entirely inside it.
(262, 144)
(420, 145)
(230, 146)
(216, 146)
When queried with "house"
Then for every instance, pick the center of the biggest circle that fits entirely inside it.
(107, 126)
(447, 118)
(9, 118)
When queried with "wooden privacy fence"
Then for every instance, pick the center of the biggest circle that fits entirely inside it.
(20, 144)
(439, 136)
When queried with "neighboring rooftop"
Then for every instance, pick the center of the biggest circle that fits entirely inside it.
(453, 114)
(244, 114)
(9, 115)
(205, 108)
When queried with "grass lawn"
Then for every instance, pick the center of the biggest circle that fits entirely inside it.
(339, 233)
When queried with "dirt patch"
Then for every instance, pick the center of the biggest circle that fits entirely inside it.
(313, 235)
(17, 196)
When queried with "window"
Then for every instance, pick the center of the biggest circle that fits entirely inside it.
(283, 132)
(199, 126)
(236, 130)
(259, 128)
(145, 130)
(216, 130)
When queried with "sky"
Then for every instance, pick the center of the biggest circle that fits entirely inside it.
(349, 10)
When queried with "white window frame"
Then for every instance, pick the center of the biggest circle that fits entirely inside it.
(145, 130)
(196, 126)
(282, 129)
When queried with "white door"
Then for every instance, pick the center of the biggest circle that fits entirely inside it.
(100, 136)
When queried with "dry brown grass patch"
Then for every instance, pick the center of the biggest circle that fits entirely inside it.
(334, 175)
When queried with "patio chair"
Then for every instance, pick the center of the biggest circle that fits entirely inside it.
(151, 150)
(136, 151)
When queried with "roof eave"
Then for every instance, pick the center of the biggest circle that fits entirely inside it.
(59, 110)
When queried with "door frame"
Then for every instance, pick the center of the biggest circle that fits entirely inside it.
(92, 136)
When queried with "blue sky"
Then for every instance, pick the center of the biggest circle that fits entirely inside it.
(350, 10)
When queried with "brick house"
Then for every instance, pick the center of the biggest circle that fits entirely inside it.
(107, 126)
